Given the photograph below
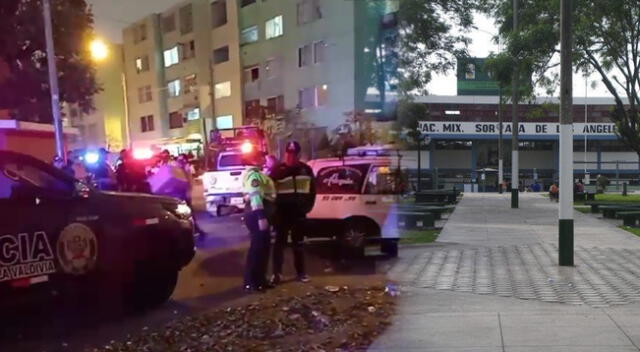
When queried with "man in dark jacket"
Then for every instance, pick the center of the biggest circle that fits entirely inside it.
(296, 195)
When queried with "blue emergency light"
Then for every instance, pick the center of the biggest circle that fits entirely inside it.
(91, 157)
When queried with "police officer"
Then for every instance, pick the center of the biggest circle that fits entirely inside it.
(259, 195)
(296, 195)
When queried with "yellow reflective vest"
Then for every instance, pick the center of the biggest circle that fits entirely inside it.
(259, 189)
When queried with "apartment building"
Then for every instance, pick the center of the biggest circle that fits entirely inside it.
(106, 126)
(321, 60)
(182, 69)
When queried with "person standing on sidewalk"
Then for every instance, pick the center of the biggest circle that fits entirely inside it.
(260, 194)
(296, 191)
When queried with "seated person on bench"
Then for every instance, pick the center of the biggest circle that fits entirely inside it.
(554, 191)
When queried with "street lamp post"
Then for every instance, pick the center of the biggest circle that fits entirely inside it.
(565, 226)
(53, 79)
(515, 170)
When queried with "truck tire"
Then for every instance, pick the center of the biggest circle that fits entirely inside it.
(389, 247)
(353, 238)
(152, 288)
(213, 209)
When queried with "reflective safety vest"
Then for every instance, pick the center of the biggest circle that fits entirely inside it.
(258, 188)
(295, 184)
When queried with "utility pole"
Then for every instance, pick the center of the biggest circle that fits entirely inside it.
(500, 150)
(53, 79)
(515, 170)
(565, 228)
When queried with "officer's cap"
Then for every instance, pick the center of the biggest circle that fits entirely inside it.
(293, 147)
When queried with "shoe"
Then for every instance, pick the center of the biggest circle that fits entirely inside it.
(276, 279)
(304, 278)
(253, 289)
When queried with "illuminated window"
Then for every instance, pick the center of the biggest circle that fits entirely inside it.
(174, 88)
(171, 56)
(224, 122)
(222, 89)
(249, 35)
(274, 27)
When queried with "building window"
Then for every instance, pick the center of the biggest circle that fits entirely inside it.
(174, 88)
(146, 123)
(275, 105)
(140, 33)
(175, 120)
(189, 50)
(249, 35)
(144, 94)
(171, 56)
(221, 55)
(142, 64)
(306, 97)
(252, 110)
(193, 114)
(251, 74)
(274, 27)
(186, 19)
(218, 13)
(319, 52)
(308, 11)
(222, 89)
(304, 55)
(322, 95)
(224, 122)
(244, 3)
(190, 83)
(169, 23)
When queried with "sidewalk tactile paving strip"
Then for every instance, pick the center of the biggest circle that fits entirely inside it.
(602, 277)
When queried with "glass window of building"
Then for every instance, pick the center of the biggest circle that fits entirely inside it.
(190, 83)
(174, 88)
(171, 56)
(224, 122)
(175, 120)
(142, 64)
(189, 50)
(222, 89)
(186, 19)
(221, 55)
(249, 35)
(251, 74)
(322, 95)
(304, 55)
(169, 23)
(193, 114)
(140, 33)
(144, 94)
(218, 13)
(306, 97)
(146, 123)
(275, 105)
(308, 11)
(244, 3)
(274, 27)
(319, 52)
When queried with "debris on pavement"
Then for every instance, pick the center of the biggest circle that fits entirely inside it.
(321, 319)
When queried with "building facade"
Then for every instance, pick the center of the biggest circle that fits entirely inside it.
(182, 75)
(463, 133)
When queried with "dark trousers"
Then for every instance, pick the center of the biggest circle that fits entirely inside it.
(285, 228)
(255, 273)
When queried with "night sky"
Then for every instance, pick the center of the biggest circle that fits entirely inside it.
(113, 15)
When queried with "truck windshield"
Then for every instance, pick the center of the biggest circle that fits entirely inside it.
(231, 160)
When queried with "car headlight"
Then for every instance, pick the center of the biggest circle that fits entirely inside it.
(183, 211)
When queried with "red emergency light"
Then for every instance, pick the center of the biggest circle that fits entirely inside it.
(142, 154)
(246, 147)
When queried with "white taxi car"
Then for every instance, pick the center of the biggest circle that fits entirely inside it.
(357, 199)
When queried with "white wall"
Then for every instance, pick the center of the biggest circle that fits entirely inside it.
(410, 159)
(620, 156)
(455, 159)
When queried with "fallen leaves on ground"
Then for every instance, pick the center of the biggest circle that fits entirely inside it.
(347, 319)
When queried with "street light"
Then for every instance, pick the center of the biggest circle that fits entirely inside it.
(99, 50)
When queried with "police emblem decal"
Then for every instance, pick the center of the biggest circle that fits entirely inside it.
(255, 183)
(77, 249)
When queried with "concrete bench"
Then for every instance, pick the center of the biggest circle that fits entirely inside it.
(595, 206)
(629, 218)
(415, 220)
(609, 211)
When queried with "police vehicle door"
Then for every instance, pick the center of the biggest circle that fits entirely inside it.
(380, 198)
(34, 205)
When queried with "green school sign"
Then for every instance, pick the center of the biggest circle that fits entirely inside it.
(473, 79)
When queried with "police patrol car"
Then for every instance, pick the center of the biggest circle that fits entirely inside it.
(357, 198)
(61, 237)
(223, 181)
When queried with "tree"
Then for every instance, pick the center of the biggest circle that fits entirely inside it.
(432, 36)
(607, 41)
(25, 89)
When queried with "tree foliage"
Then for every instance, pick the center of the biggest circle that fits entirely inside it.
(606, 41)
(25, 90)
(433, 34)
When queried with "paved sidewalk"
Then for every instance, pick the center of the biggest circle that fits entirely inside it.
(491, 283)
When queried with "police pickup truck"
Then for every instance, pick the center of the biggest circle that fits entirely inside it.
(60, 237)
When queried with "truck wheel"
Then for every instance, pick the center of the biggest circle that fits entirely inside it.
(213, 209)
(354, 237)
(152, 289)
(389, 247)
